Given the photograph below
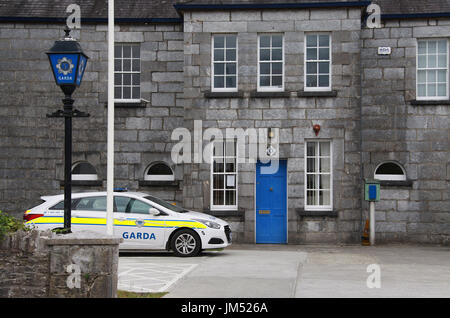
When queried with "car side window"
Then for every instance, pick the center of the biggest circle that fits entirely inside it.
(92, 204)
(122, 204)
(60, 205)
(137, 206)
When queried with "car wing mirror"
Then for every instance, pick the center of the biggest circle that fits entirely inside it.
(154, 212)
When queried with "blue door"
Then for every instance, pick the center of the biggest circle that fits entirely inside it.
(271, 204)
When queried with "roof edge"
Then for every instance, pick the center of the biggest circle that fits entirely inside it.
(397, 16)
(252, 6)
(91, 20)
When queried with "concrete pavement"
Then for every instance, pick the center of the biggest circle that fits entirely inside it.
(405, 271)
(284, 271)
(149, 275)
(243, 273)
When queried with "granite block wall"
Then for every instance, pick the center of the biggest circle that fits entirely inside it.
(373, 117)
(294, 116)
(396, 127)
(31, 156)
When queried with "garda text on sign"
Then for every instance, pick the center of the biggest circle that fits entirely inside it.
(138, 236)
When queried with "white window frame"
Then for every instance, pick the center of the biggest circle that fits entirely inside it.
(318, 89)
(85, 176)
(128, 100)
(158, 177)
(446, 97)
(271, 88)
(318, 207)
(224, 89)
(236, 176)
(390, 177)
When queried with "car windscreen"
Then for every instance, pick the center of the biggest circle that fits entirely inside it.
(166, 204)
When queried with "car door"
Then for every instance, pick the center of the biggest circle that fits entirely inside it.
(122, 221)
(55, 216)
(90, 214)
(136, 226)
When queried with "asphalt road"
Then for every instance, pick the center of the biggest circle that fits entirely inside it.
(285, 271)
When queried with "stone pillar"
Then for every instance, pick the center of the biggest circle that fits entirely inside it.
(83, 264)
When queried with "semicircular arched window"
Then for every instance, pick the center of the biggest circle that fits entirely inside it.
(159, 172)
(84, 171)
(391, 171)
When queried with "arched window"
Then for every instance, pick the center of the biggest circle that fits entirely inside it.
(391, 171)
(159, 172)
(84, 171)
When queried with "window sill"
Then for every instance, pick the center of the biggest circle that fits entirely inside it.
(83, 183)
(167, 184)
(209, 94)
(429, 102)
(223, 213)
(305, 213)
(317, 93)
(256, 94)
(141, 104)
(390, 183)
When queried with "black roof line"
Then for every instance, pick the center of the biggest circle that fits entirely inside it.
(392, 16)
(90, 20)
(250, 6)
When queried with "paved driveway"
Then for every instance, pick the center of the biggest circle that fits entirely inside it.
(292, 271)
(150, 275)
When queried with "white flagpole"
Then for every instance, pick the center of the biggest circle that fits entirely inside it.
(110, 143)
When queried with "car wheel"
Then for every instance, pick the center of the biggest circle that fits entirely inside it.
(186, 243)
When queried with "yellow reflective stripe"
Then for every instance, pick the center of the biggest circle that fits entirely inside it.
(157, 223)
(102, 221)
(186, 224)
(125, 222)
(46, 220)
(90, 221)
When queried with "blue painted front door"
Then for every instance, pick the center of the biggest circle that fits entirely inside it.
(271, 204)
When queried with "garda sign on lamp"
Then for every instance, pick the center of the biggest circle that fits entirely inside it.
(68, 63)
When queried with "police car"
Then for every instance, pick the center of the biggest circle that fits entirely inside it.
(143, 221)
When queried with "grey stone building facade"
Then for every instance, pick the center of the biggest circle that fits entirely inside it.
(282, 66)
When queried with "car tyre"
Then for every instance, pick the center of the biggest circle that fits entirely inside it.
(186, 243)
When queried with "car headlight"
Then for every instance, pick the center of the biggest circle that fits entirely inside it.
(210, 224)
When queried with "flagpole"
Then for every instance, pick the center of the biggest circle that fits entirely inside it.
(110, 142)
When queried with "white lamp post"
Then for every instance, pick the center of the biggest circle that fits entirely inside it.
(110, 142)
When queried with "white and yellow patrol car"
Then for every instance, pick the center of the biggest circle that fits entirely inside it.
(143, 221)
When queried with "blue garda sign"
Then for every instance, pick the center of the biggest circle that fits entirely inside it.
(81, 68)
(65, 68)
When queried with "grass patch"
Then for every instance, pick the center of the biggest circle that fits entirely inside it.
(128, 294)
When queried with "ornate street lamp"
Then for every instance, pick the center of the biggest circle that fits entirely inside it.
(68, 63)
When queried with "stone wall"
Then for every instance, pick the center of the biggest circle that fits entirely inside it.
(415, 136)
(293, 115)
(31, 156)
(24, 265)
(35, 265)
